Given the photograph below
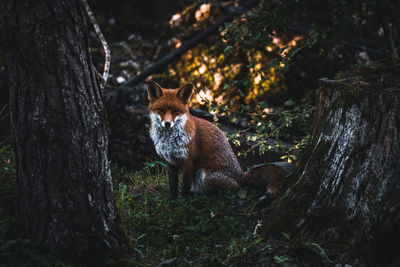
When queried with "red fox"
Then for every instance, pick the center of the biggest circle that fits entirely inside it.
(195, 146)
(200, 149)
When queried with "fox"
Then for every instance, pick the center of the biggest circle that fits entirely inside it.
(200, 150)
(189, 144)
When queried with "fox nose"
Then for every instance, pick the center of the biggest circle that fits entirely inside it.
(167, 124)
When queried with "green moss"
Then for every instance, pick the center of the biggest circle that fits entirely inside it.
(359, 81)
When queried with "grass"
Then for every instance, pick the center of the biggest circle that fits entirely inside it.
(218, 229)
(204, 230)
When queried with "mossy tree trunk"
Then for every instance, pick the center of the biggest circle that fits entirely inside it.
(65, 198)
(347, 197)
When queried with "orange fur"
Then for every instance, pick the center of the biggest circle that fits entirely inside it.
(209, 162)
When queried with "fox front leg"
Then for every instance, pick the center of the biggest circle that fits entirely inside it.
(173, 173)
(187, 173)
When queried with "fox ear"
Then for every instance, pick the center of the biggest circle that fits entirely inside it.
(154, 91)
(185, 93)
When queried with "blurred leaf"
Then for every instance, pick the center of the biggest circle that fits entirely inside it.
(229, 47)
(289, 102)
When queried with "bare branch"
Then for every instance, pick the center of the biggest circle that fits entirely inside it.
(107, 53)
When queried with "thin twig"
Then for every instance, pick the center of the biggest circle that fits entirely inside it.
(167, 262)
(246, 130)
(3, 108)
(107, 53)
(252, 114)
(2, 142)
(98, 73)
(1, 111)
(265, 138)
(240, 112)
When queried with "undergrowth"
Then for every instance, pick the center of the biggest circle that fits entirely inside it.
(218, 229)
(204, 230)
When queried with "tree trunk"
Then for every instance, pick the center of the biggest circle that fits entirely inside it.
(58, 129)
(347, 197)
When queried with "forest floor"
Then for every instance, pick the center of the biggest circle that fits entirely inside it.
(218, 229)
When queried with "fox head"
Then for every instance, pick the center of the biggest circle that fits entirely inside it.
(168, 107)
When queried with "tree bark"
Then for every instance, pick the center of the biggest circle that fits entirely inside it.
(347, 197)
(58, 130)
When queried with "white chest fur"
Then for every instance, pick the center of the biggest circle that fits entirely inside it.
(171, 143)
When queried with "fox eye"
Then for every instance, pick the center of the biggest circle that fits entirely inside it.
(176, 111)
(161, 110)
